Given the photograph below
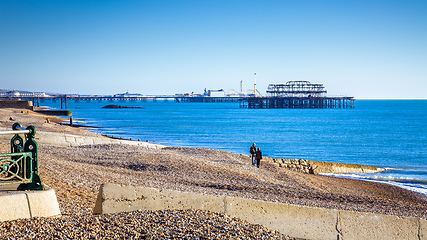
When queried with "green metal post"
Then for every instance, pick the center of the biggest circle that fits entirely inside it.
(33, 167)
(16, 143)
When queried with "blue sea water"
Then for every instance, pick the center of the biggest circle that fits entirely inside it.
(383, 133)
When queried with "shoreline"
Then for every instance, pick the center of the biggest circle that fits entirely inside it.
(332, 169)
(321, 167)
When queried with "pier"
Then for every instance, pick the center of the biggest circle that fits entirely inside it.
(297, 94)
(77, 98)
(293, 94)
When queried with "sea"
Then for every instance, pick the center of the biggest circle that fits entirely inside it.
(391, 134)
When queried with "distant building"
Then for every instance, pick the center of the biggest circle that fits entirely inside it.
(20, 94)
(40, 94)
(216, 93)
(127, 94)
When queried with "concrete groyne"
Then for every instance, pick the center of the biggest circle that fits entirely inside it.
(294, 220)
(317, 167)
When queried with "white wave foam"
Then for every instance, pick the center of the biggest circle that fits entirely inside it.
(407, 183)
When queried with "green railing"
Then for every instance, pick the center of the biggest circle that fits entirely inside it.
(21, 166)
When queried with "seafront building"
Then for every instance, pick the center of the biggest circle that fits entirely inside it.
(20, 94)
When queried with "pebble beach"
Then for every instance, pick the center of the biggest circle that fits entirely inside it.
(75, 173)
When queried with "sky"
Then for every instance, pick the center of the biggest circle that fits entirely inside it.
(365, 49)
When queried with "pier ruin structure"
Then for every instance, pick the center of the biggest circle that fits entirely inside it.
(297, 94)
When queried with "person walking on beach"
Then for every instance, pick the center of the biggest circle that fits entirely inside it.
(258, 157)
(252, 150)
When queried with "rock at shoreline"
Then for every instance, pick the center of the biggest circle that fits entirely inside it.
(117, 106)
(316, 167)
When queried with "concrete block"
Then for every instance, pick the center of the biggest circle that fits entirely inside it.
(423, 229)
(43, 203)
(116, 198)
(55, 139)
(14, 206)
(78, 141)
(296, 221)
(181, 200)
(358, 225)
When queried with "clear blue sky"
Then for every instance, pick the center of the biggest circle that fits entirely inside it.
(366, 49)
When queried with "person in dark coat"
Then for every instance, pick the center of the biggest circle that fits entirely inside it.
(258, 157)
(252, 150)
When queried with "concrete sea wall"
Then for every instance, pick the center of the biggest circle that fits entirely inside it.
(61, 139)
(296, 221)
(16, 104)
(70, 140)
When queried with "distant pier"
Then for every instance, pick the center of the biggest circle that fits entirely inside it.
(293, 94)
(297, 94)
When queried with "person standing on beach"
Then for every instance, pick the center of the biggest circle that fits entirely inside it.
(258, 157)
(252, 150)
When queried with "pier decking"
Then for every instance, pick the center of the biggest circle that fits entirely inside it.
(64, 99)
(294, 102)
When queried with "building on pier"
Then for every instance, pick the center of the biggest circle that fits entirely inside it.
(297, 94)
(296, 89)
